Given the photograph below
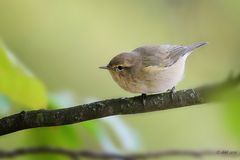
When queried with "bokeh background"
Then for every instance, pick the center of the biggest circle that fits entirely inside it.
(63, 42)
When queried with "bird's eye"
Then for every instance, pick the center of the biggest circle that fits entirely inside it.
(119, 68)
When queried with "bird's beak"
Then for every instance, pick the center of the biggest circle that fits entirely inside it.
(104, 67)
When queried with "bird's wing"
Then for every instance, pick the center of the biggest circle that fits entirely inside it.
(164, 56)
(161, 56)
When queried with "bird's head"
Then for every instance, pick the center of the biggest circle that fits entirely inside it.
(123, 62)
(122, 67)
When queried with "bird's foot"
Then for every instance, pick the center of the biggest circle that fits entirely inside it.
(144, 96)
(172, 93)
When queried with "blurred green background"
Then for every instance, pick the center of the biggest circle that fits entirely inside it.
(63, 42)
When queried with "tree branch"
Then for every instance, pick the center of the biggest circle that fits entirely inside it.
(76, 154)
(80, 113)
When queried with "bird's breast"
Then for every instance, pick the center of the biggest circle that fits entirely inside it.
(151, 80)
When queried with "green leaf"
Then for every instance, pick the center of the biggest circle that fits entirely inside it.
(18, 84)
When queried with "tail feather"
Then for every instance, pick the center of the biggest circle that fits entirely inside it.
(196, 45)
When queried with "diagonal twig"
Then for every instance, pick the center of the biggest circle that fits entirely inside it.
(120, 106)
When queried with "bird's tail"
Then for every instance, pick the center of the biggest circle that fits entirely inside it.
(195, 45)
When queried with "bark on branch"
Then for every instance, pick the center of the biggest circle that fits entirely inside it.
(80, 113)
(77, 154)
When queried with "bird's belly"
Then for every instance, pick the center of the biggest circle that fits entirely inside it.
(156, 81)
(160, 84)
(160, 81)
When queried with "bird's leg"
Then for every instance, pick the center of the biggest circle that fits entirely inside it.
(172, 93)
(144, 96)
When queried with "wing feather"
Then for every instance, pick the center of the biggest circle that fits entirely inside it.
(160, 55)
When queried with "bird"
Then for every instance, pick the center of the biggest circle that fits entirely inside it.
(151, 68)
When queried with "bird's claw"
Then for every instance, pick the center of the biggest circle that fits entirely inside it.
(172, 93)
(144, 96)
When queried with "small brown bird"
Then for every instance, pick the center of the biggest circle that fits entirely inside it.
(150, 68)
